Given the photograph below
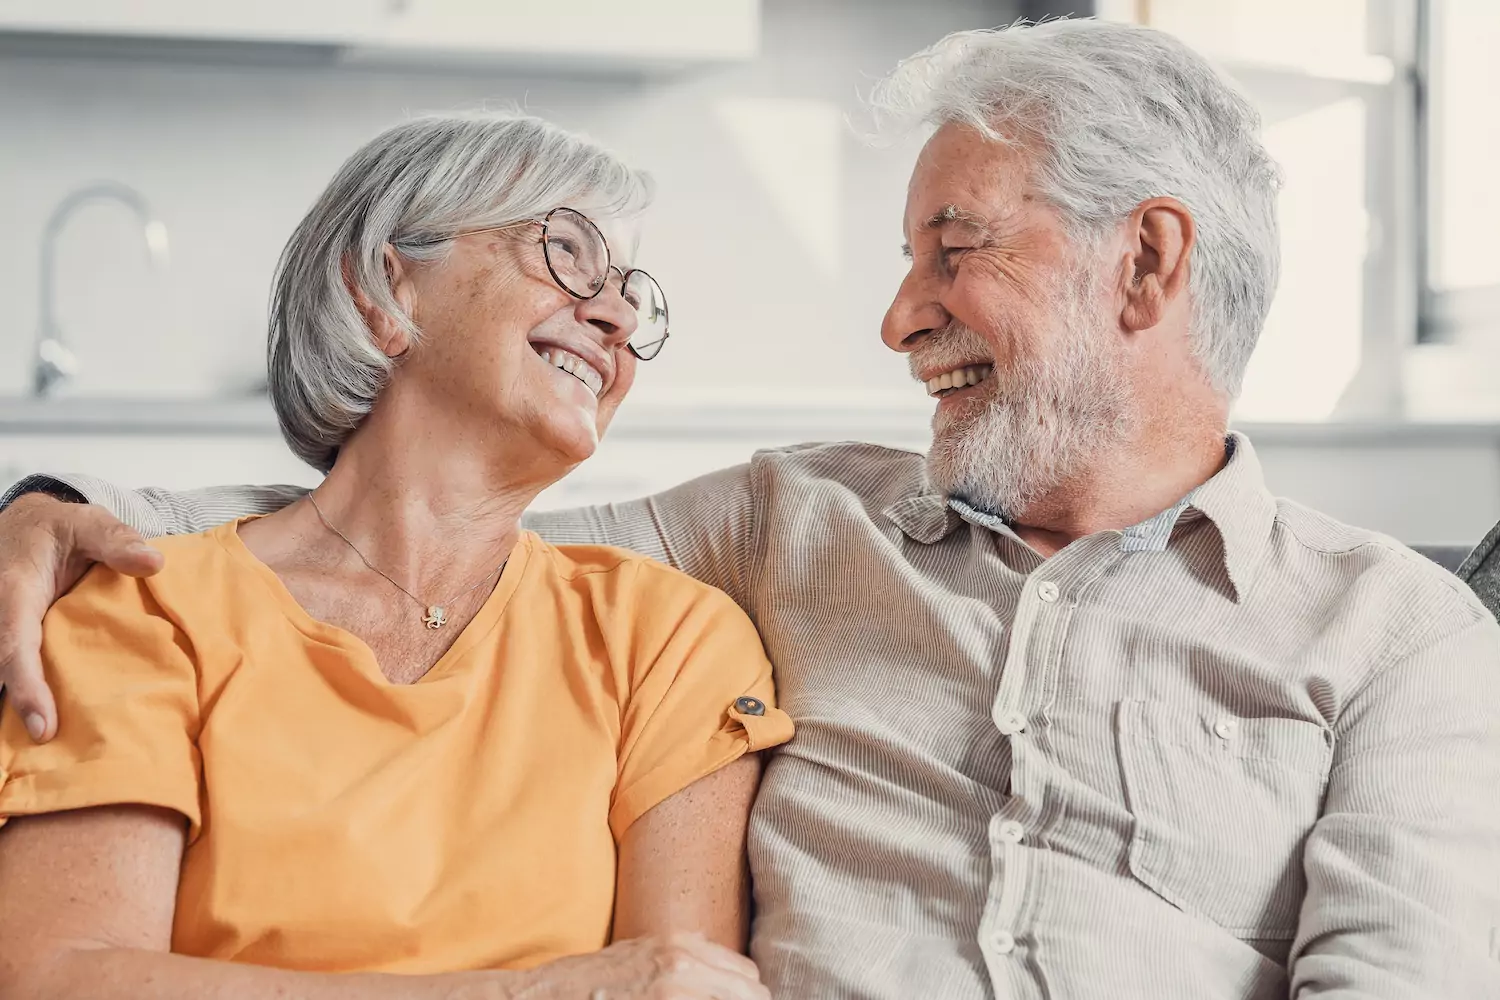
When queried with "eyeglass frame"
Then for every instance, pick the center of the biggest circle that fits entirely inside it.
(608, 266)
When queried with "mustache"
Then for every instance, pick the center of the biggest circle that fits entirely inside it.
(953, 345)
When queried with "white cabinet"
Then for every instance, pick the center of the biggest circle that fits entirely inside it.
(580, 30)
(327, 22)
(581, 35)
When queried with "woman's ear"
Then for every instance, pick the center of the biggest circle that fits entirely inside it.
(1160, 240)
(390, 336)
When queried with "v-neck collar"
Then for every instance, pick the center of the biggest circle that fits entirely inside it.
(483, 622)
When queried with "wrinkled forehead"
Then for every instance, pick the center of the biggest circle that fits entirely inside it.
(962, 178)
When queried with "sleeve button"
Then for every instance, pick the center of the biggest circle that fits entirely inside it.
(749, 706)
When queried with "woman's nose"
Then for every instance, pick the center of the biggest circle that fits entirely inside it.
(609, 313)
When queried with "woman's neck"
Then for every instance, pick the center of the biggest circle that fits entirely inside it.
(433, 509)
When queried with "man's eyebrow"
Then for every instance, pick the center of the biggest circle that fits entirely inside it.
(949, 215)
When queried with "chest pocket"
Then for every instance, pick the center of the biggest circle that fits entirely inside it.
(1222, 808)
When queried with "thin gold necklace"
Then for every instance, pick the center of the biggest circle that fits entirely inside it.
(437, 614)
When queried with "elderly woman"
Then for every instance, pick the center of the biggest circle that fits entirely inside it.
(386, 730)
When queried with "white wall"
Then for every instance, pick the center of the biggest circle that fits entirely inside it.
(776, 235)
(776, 231)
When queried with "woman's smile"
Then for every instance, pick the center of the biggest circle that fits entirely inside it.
(571, 364)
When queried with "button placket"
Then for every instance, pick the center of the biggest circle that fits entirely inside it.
(1011, 723)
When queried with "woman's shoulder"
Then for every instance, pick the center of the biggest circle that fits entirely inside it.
(194, 568)
(612, 572)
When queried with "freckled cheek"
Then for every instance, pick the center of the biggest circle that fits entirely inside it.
(625, 373)
(1009, 323)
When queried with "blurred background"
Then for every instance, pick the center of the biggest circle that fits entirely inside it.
(155, 155)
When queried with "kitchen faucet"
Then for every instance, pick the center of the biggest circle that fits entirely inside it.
(55, 361)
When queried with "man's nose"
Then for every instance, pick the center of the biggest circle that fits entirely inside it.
(913, 315)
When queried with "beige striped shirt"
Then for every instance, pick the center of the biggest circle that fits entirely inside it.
(1242, 751)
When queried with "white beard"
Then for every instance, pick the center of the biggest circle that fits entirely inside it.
(1042, 422)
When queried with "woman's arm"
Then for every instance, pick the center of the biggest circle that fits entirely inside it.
(682, 864)
(86, 908)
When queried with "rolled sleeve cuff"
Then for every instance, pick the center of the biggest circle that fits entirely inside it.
(103, 783)
(127, 505)
(741, 734)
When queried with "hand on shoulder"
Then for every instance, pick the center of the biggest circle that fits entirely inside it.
(46, 545)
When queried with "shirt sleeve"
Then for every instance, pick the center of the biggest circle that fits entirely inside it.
(701, 696)
(706, 528)
(1403, 867)
(127, 698)
(155, 512)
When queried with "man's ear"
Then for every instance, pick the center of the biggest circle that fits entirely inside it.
(390, 336)
(1160, 235)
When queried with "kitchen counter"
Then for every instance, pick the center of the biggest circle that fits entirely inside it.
(1420, 481)
(879, 419)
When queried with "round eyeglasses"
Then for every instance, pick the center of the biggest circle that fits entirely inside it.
(577, 256)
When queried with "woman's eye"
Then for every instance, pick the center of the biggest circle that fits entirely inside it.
(562, 245)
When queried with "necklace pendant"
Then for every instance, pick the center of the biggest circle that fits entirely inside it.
(437, 616)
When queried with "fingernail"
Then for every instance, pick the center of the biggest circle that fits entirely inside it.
(36, 725)
(140, 549)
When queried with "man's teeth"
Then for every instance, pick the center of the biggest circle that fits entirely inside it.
(959, 378)
(574, 366)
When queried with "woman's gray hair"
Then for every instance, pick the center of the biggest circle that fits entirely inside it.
(412, 187)
(1122, 114)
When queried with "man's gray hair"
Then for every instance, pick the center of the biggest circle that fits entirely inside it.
(1122, 114)
(413, 187)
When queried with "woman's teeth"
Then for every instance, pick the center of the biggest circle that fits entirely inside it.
(574, 366)
(959, 378)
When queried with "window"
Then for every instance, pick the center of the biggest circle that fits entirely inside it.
(1383, 116)
(1462, 133)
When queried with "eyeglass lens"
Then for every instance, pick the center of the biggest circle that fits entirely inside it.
(642, 292)
(578, 257)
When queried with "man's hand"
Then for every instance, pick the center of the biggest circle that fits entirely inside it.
(677, 967)
(45, 546)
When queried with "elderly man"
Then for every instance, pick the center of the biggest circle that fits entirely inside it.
(1083, 711)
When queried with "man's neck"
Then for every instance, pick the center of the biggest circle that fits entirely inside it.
(1123, 487)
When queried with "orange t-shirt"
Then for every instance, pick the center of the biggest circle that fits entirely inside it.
(339, 822)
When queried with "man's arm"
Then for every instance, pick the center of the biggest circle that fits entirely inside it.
(152, 512)
(1403, 868)
(706, 528)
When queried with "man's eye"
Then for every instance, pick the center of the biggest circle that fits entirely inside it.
(953, 256)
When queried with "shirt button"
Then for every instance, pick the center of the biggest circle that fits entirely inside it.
(750, 706)
(1012, 722)
(1226, 728)
(1047, 591)
(1012, 832)
(1005, 942)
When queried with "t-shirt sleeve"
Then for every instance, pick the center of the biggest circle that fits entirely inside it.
(126, 686)
(701, 695)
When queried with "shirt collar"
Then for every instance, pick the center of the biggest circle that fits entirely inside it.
(1242, 509)
(1234, 500)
